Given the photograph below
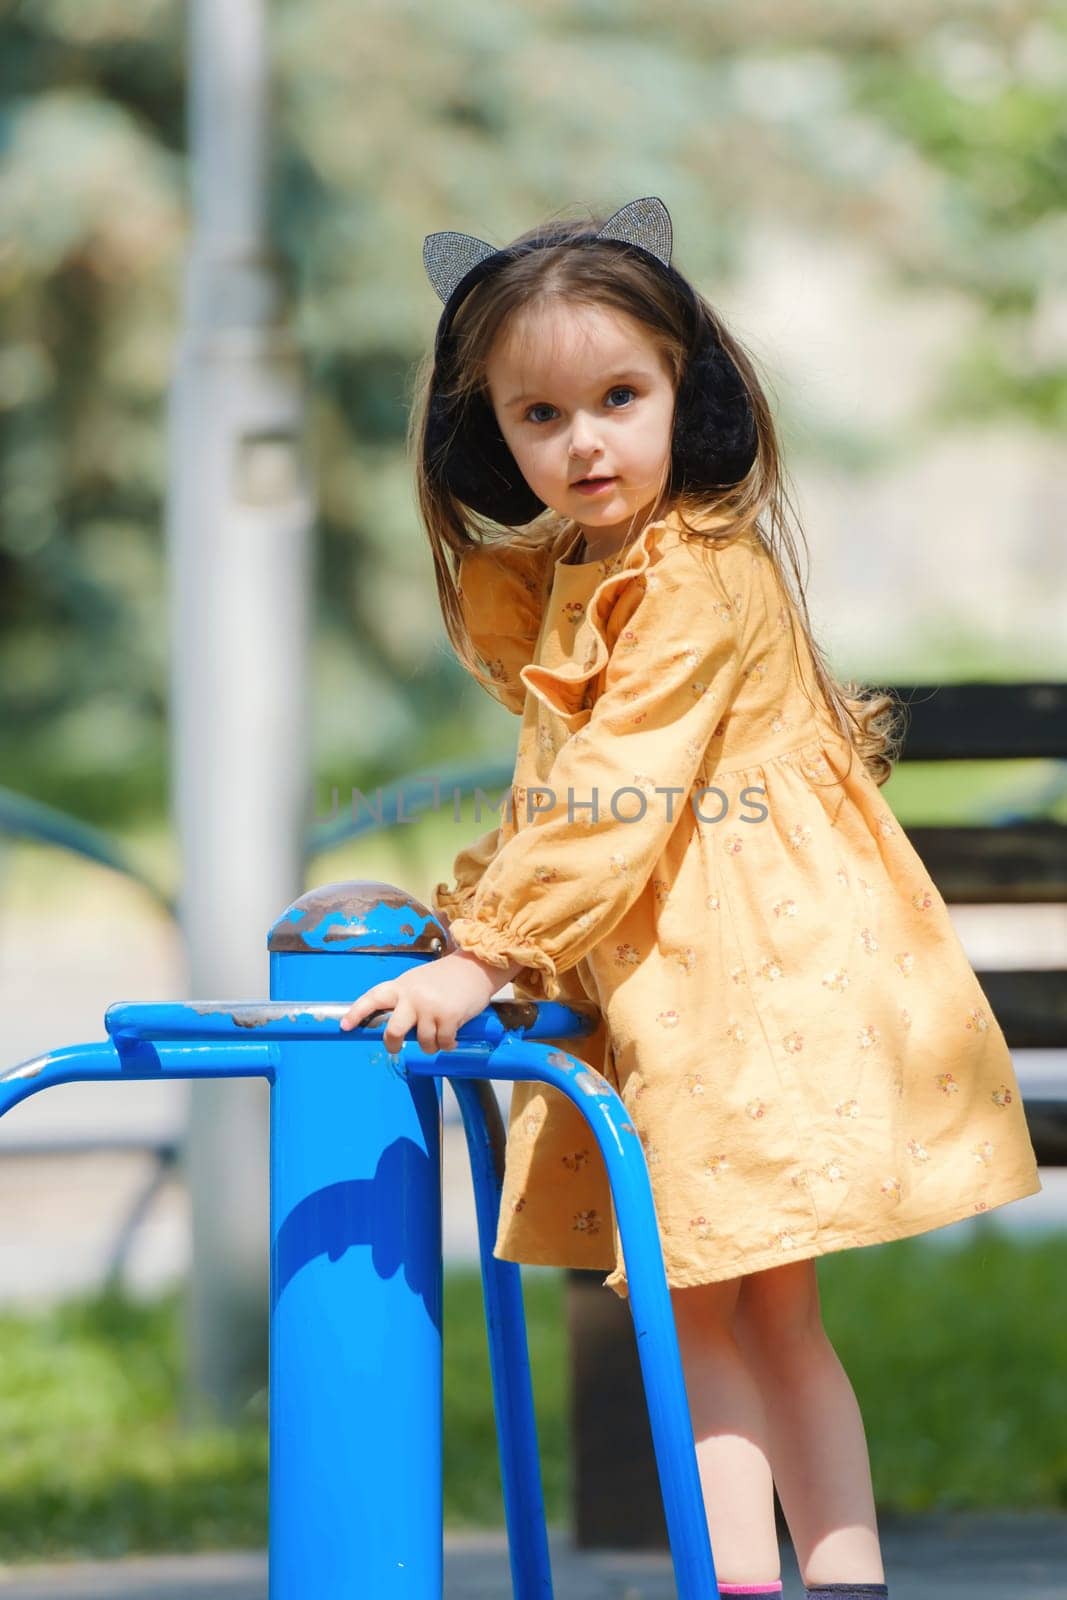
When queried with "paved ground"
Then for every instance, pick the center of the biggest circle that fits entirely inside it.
(951, 1557)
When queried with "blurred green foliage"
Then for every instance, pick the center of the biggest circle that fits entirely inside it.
(937, 130)
(956, 1357)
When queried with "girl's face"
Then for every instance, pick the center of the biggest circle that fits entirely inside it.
(582, 392)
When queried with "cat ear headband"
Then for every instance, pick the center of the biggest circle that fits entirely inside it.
(714, 439)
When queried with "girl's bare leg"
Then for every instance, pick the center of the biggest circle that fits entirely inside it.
(730, 1430)
(818, 1447)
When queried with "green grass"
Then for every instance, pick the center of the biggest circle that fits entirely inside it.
(93, 1459)
(958, 1360)
(956, 1356)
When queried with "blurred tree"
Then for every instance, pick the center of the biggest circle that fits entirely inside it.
(935, 129)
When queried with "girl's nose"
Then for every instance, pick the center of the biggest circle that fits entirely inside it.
(584, 439)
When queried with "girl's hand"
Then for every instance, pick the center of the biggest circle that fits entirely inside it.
(436, 999)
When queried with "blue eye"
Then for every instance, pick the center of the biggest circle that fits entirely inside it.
(620, 388)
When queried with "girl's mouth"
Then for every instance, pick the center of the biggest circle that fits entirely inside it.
(592, 485)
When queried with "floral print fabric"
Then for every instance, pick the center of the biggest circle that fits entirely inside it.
(786, 1009)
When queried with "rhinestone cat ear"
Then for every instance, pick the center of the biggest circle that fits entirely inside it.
(642, 222)
(448, 257)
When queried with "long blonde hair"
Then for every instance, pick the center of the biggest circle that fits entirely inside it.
(603, 276)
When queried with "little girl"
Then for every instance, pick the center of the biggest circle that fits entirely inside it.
(698, 845)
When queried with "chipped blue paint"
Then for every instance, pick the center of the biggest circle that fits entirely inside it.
(336, 932)
(30, 1068)
(355, 1487)
(347, 918)
(593, 1083)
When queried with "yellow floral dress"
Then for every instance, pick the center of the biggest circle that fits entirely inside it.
(786, 1009)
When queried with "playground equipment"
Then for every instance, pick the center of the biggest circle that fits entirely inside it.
(355, 1385)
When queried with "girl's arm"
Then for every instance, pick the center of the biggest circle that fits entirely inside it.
(560, 884)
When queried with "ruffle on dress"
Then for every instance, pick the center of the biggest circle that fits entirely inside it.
(561, 883)
(567, 690)
(501, 946)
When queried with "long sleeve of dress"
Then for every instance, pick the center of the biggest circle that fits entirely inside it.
(467, 870)
(560, 883)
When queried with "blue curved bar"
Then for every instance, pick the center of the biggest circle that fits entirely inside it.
(516, 1059)
(107, 1061)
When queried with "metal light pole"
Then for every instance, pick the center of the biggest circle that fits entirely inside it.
(239, 516)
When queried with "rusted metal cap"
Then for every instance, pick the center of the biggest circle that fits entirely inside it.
(362, 916)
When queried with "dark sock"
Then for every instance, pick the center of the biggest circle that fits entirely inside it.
(849, 1591)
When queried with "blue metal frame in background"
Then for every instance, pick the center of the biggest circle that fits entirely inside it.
(355, 1396)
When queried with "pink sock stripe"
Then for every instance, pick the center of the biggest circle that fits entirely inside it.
(751, 1588)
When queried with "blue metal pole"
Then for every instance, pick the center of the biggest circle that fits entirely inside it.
(355, 1422)
(509, 1353)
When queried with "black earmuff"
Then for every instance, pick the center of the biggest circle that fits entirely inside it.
(714, 439)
